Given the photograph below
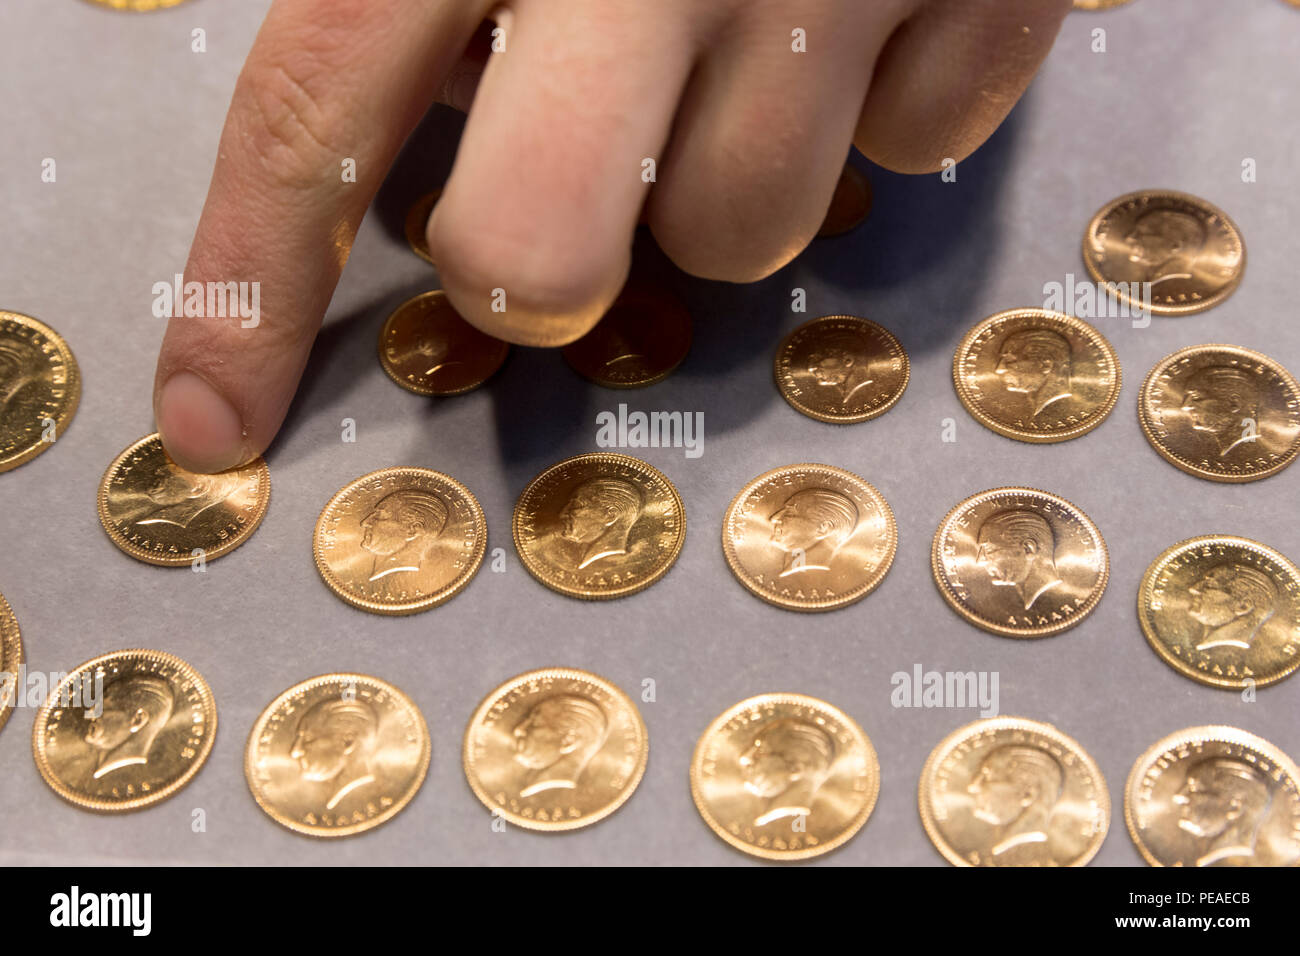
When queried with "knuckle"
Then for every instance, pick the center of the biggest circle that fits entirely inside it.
(285, 124)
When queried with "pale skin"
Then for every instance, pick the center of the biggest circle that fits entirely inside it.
(748, 137)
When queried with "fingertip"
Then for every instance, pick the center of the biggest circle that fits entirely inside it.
(201, 430)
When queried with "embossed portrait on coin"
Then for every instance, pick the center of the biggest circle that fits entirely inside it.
(785, 764)
(1016, 789)
(599, 516)
(1223, 402)
(838, 365)
(1017, 549)
(335, 743)
(1231, 603)
(1222, 803)
(1165, 244)
(400, 529)
(556, 740)
(134, 710)
(1036, 363)
(176, 497)
(15, 375)
(811, 526)
(430, 350)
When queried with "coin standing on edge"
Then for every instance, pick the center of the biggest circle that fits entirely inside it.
(1006, 791)
(1214, 796)
(1223, 610)
(599, 526)
(40, 381)
(159, 513)
(555, 749)
(11, 660)
(427, 348)
(1036, 375)
(641, 340)
(1020, 562)
(125, 731)
(841, 369)
(1222, 412)
(850, 203)
(337, 755)
(417, 224)
(400, 540)
(785, 776)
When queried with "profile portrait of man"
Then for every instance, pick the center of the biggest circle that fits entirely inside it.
(556, 739)
(1016, 789)
(177, 497)
(1017, 549)
(1036, 363)
(784, 765)
(335, 743)
(15, 376)
(599, 516)
(1164, 243)
(1223, 402)
(811, 526)
(840, 365)
(431, 350)
(400, 529)
(1231, 603)
(1222, 803)
(132, 713)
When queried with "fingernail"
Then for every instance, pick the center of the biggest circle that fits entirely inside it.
(200, 429)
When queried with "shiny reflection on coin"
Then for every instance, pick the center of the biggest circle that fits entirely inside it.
(11, 660)
(840, 368)
(417, 224)
(400, 540)
(555, 749)
(159, 513)
(1099, 4)
(125, 731)
(337, 755)
(1222, 412)
(784, 776)
(40, 383)
(1214, 796)
(1186, 253)
(1036, 375)
(599, 526)
(850, 203)
(809, 537)
(1223, 610)
(1012, 792)
(643, 337)
(427, 348)
(1020, 562)
(137, 6)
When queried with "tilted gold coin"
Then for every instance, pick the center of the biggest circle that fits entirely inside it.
(1214, 796)
(1036, 375)
(784, 776)
(809, 537)
(643, 337)
(337, 755)
(40, 386)
(555, 749)
(1013, 792)
(417, 224)
(400, 540)
(840, 368)
(1223, 610)
(1182, 252)
(599, 526)
(427, 348)
(159, 513)
(850, 203)
(11, 660)
(1222, 412)
(1099, 4)
(125, 731)
(1020, 562)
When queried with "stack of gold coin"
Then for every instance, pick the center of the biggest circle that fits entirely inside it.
(427, 348)
(11, 659)
(643, 337)
(841, 369)
(40, 386)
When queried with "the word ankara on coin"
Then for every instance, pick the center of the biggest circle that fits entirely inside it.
(1186, 254)
(784, 776)
(125, 731)
(1020, 562)
(1222, 412)
(160, 513)
(400, 540)
(1036, 375)
(1013, 792)
(1214, 796)
(417, 224)
(840, 369)
(1223, 610)
(427, 348)
(337, 755)
(11, 660)
(809, 537)
(599, 526)
(643, 337)
(850, 203)
(555, 749)
(40, 386)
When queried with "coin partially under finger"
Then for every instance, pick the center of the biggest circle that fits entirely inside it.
(417, 224)
(643, 337)
(427, 348)
(850, 203)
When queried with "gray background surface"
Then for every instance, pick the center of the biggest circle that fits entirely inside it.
(1187, 89)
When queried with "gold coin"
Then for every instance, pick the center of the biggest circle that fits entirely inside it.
(1036, 375)
(1214, 796)
(337, 755)
(599, 526)
(1188, 250)
(1222, 412)
(427, 348)
(555, 749)
(643, 337)
(40, 383)
(1020, 562)
(784, 776)
(125, 731)
(850, 203)
(400, 540)
(841, 368)
(1099, 4)
(159, 513)
(1223, 610)
(809, 537)
(138, 6)
(1012, 792)
(417, 224)
(11, 660)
